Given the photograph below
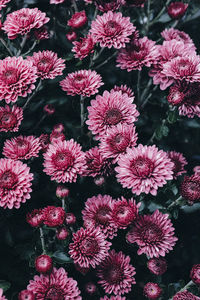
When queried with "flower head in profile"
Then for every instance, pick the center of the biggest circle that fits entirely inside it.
(56, 1)
(22, 147)
(64, 161)
(17, 78)
(175, 34)
(47, 63)
(78, 20)
(56, 285)
(185, 295)
(154, 234)
(20, 22)
(112, 30)
(83, 47)
(124, 89)
(15, 183)
(157, 266)
(35, 218)
(110, 109)
(89, 247)
(10, 118)
(98, 213)
(83, 82)
(116, 273)
(179, 163)
(144, 169)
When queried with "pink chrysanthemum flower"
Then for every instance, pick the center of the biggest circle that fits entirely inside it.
(190, 188)
(83, 82)
(20, 22)
(112, 30)
(56, 285)
(97, 165)
(2, 297)
(112, 5)
(53, 216)
(154, 234)
(195, 274)
(183, 68)
(89, 247)
(78, 20)
(124, 89)
(44, 141)
(116, 274)
(84, 47)
(56, 1)
(15, 183)
(117, 140)
(41, 33)
(22, 147)
(140, 53)
(185, 295)
(144, 169)
(109, 110)
(152, 290)
(64, 160)
(124, 212)
(179, 163)
(196, 170)
(10, 118)
(157, 266)
(47, 63)
(98, 213)
(113, 298)
(3, 3)
(35, 217)
(17, 78)
(175, 34)
(166, 52)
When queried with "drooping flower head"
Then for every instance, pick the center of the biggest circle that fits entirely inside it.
(22, 147)
(10, 118)
(154, 234)
(110, 109)
(112, 30)
(116, 273)
(179, 163)
(83, 82)
(17, 78)
(112, 5)
(185, 295)
(124, 212)
(20, 22)
(98, 213)
(157, 266)
(47, 63)
(64, 161)
(89, 247)
(57, 285)
(139, 53)
(152, 290)
(117, 140)
(144, 169)
(83, 47)
(190, 188)
(15, 183)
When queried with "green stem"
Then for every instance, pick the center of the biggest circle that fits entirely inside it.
(106, 61)
(159, 14)
(42, 240)
(185, 287)
(138, 85)
(148, 15)
(63, 203)
(22, 45)
(30, 49)
(175, 203)
(82, 113)
(74, 5)
(6, 46)
(32, 95)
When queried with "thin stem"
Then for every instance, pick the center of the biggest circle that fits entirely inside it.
(6, 46)
(175, 203)
(82, 112)
(31, 48)
(138, 85)
(160, 13)
(148, 15)
(74, 5)
(185, 287)
(42, 240)
(105, 61)
(22, 45)
(63, 203)
(40, 121)
(32, 95)
(94, 58)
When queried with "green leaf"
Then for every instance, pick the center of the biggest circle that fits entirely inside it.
(62, 257)
(171, 290)
(161, 131)
(172, 116)
(5, 285)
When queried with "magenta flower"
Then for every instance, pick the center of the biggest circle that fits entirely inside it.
(84, 47)
(185, 295)
(179, 163)
(113, 298)
(154, 234)
(181, 36)
(112, 5)
(190, 188)
(10, 118)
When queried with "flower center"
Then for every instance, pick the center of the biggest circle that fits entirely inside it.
(44, 64)
(151, 233)
(113, 116)
(10, 76)
(7, 180)
(7, 119)
(114, 274)
(142, 167)
(103, 215)
(89, 246)
(112, 28)
(54, 293)
(79, 81)
(63, 160)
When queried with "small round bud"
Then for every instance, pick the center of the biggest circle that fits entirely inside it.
(176, 10)
(70, 219)
(43, 264)
(175, 96)
(49, 109)
(59, 128)
(35, 218)
(26, 295)
(56, 136)
(62, 233)
(62, 191)
(90, 288)
(78, 20)
(152, 290)
(71, 36)
(44, 141)
(157, 266)
(195, 274)
(99, 181)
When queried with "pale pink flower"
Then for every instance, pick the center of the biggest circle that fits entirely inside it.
(175, 34)
(112, 30)
(83, 82)
(117, 140)
(22, 147)
(141, 52)
(154, 234)
(144, 169)
(56, 285)
(47, 63)
(89, 247)
(10, 118)
(83, 47)
(179, 163)
(98, 213)
(109, 110)
(15, 183)
(17, 78)
(20, 22)
(64, 161)
(116, 274)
